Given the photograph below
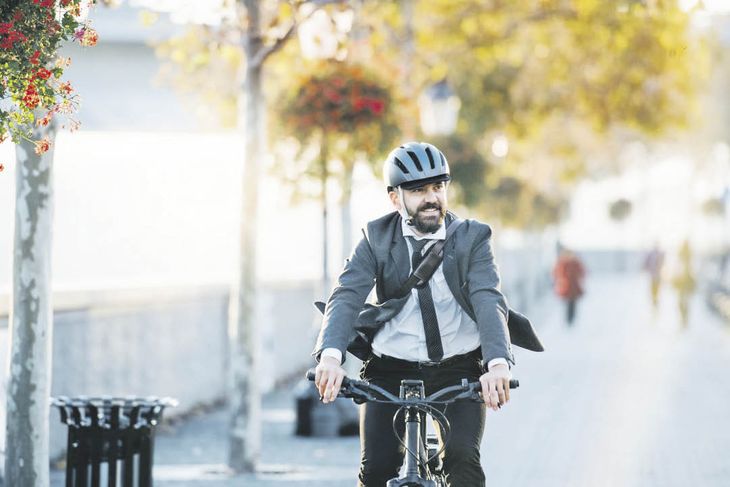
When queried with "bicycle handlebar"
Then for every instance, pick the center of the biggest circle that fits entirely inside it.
(361, 391)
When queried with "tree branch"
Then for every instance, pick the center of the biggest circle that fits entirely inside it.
(267, 51)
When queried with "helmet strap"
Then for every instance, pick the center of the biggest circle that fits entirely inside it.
(403, 210)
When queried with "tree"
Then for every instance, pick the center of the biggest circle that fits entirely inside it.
(345, 112)
(257, 31)
(567, 82)
(30, 80)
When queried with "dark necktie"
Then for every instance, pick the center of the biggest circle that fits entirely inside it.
(428, 312)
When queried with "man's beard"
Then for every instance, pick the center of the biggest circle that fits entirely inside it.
(429, 223)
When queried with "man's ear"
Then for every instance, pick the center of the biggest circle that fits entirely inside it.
(395, 199)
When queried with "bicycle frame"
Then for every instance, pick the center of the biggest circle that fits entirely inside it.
(416, 448)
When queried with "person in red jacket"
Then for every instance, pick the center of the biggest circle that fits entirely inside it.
(568, 275)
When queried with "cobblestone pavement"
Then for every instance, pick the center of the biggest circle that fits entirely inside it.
(623, 398)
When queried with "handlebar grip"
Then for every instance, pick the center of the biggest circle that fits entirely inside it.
(514, 384)
(311, 374)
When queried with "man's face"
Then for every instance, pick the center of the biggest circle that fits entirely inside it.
(427, 205)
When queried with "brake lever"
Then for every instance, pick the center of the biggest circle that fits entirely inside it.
(357, 395)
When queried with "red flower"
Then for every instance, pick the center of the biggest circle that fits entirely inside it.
(5, 27)
(18, 15)
(34, 58)
(2, 168)
(66, 88)
(332, 95)
(42, 146)
(13, 36)
(376, 106)
(44, 3)
(42, 122)
(43, 73)
(31, 98)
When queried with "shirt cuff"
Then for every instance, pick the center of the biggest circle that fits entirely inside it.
(335, 353)
(492, 363)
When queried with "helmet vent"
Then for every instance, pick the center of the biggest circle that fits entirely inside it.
(401, 166)
(430, 158)
(415, 160)
(443, 162)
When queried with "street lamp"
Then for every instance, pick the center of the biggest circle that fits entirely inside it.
(439, 109)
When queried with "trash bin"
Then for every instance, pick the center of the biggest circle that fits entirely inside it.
(111, 432)
(313, 418)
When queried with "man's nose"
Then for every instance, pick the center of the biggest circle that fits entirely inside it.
(431, 196)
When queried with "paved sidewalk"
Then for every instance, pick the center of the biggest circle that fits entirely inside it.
(624, 398)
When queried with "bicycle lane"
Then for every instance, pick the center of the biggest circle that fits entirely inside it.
(607, 402)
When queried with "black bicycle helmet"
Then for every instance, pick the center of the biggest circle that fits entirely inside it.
(415, 164)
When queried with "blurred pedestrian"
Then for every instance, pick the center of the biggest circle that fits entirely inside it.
(568, 275)
(653, 264)
(684, 282)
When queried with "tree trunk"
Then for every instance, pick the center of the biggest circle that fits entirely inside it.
(31, 319)
(244, 396)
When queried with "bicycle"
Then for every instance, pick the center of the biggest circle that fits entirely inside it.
(422, 466)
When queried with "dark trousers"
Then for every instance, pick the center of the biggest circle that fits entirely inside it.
(381, 452)
(570, 310)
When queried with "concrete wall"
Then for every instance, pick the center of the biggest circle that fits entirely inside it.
(164, 343)
(173, 342)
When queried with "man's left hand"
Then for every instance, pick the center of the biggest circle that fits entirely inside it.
(495, 386)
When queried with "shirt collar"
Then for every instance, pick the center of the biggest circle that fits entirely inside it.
(439, 234)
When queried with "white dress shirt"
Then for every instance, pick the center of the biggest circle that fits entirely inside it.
(403, 336)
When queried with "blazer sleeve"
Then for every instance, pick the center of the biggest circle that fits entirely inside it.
(488, 302)
(347, 300)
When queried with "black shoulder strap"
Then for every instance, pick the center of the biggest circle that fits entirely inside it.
(430, 261)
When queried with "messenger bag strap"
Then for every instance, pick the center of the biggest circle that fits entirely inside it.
(430, 261)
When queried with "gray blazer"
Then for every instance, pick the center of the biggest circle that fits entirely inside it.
(381, 259)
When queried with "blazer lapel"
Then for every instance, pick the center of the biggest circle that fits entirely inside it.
(451, 269)
(451, 274)
(399, 255)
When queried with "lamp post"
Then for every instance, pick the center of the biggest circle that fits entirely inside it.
(439, 109)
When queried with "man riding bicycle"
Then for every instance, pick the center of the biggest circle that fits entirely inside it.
(450, 327)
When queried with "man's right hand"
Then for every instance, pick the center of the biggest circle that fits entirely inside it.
(328, 378)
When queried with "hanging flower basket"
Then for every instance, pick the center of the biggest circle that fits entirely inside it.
(31, 87)
(338, 98)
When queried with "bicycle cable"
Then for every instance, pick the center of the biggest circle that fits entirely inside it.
(438, 416)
